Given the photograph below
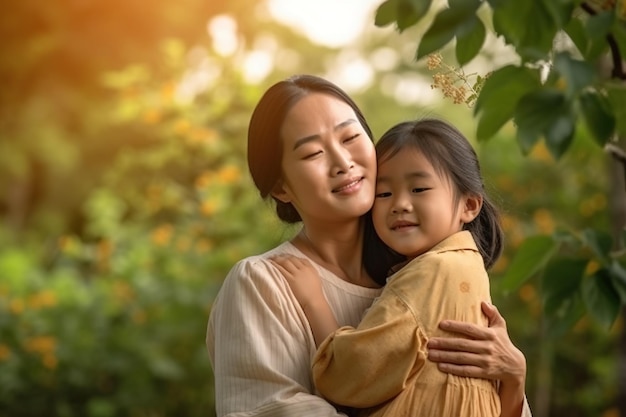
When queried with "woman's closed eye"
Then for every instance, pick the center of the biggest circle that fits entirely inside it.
(312, 155)
(352, 138)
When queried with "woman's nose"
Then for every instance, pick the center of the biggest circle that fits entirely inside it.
(341, 161)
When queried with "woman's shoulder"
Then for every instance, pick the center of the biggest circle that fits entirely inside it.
(257, 267)
(262, 260)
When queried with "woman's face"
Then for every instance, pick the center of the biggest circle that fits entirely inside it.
(329, 161)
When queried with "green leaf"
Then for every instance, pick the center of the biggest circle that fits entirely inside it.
(386, 14)
(559, 10)
(599, 242)
(596, 111)
(568, 314)
(544, 112)
(616, 93)
(561, 280)
(510, 20)
(469, 44)
(576, 32)
(601, 298)
(540, 35)
(619, 34)
(532, 41)
(499, 96)
(599, 25)
(446, 25)
(409, 12)
(530, 257)
(577, 74)
(618, 273)
(597, 28)
(560, 133)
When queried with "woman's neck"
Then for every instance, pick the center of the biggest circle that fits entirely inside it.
(338, 249)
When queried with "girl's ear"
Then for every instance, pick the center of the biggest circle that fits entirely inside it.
(279, 192)
(471, 208)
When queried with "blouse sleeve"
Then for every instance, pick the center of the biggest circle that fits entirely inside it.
(350, 363)
(260, 347)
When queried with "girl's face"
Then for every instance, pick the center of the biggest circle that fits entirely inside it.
(329, 162)
(415, 208)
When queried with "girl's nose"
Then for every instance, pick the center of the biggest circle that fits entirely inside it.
(401, 204)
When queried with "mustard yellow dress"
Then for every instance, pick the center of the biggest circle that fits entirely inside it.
(381, 365)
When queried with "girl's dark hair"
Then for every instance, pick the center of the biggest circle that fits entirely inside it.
(453, 157)
(264, 140)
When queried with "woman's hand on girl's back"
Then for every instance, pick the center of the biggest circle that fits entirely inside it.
(485, 352)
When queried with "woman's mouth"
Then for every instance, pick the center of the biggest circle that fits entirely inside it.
(348, 186)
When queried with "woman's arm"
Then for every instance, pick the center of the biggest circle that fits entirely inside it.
(488, 353)
(260, 347)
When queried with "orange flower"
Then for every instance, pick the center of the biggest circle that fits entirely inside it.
(208, 207)
(41, 344)
(229, 174)
(162, 234)
(5, 352)
(42, 299)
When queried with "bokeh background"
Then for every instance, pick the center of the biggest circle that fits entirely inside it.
(125, 196)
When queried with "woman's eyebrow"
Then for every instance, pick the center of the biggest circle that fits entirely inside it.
(310, 138)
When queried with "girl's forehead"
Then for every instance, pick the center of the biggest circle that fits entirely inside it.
(408, 162)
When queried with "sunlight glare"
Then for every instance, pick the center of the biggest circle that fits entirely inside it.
(408, 89)
(223, 31)
(352, 72)
(257, 65)
(327, 22)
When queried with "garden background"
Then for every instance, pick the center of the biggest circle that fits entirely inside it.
(125, 197)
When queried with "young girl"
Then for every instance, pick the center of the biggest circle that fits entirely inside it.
(431, 208)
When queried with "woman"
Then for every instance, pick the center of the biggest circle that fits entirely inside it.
(311, 151)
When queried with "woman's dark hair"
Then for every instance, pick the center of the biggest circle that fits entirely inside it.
(453, 157)
(264, 140)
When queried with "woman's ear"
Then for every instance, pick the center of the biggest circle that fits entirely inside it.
(471, 208)
(279, 192)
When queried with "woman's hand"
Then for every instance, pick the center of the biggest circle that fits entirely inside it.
(485, 353)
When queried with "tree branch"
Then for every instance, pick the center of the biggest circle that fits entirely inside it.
(618, 153)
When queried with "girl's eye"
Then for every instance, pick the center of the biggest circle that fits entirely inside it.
(418, 190)
(383, 194)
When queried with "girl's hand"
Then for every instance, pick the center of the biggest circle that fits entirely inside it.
(302, 277)
(307, 287)
(488, 353)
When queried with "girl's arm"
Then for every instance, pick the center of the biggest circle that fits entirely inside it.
(307, 288)
(489, 354)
